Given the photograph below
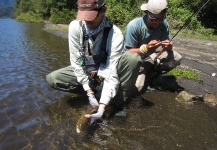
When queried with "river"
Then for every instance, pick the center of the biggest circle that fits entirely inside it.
(35, 116)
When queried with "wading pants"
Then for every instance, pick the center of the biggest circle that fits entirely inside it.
(134, 74)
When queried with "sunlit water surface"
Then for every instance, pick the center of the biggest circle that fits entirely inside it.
(35, 116)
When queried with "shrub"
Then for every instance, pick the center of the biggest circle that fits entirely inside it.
(30, 17)
(65, 16)
(178, 14)
(121, 12)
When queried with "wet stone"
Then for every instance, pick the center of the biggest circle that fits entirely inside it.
(210, 99)
(187, 97)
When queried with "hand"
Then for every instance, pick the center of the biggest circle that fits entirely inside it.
(153, 44)
(167, 45)
(96, 116)
(92, 100)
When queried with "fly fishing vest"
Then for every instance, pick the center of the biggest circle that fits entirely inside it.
(99, 58)
(91, 63)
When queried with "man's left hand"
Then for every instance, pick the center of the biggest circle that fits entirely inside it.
(167, 45)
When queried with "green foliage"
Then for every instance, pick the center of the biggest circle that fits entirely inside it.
(22, 6)
(30, 17)
(178, 73)
(178, 14)
(200, 34)
(65, 16)
(120, 12)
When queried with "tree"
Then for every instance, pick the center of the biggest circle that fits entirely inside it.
(120, 12)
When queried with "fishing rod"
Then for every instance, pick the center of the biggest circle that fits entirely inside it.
(185, 25)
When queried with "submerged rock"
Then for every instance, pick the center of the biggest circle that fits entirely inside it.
(210, 99)
(187, 97)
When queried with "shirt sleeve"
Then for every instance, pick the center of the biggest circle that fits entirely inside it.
(111, 82)
(131, 35)
(75, 38)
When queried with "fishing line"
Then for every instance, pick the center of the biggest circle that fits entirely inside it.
(189, 21)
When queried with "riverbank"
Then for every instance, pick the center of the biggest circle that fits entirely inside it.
(60, 30)
(198, 56)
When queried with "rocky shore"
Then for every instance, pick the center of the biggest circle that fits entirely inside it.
(198, 55)
(60, 30)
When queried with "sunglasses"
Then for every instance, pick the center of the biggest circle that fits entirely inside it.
(152, 18)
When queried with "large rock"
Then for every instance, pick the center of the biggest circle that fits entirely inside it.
(187, 97)
(210, 99)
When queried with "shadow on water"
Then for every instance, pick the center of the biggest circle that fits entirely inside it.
(35, 116)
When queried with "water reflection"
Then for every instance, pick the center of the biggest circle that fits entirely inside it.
(34, 116)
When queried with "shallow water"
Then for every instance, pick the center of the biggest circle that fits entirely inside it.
(35, 116)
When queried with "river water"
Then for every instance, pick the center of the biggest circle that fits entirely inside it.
(35, 116)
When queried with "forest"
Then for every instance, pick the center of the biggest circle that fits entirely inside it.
(120, 12)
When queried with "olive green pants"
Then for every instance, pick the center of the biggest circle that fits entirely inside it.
(134, 74)
(128, 68)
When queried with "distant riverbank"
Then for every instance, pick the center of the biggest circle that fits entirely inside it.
(60, 30)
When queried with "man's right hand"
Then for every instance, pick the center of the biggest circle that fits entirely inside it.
(97, 115)
(92, 100)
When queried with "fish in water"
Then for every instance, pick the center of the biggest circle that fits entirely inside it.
(83, 122)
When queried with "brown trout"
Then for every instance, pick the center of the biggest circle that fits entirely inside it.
(84, 122)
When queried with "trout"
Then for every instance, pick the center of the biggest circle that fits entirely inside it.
(84, 122)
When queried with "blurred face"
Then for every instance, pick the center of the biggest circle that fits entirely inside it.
(95, 23)
(153, 20)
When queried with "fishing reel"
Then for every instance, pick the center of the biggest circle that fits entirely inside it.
(157, 61)
(95, 82)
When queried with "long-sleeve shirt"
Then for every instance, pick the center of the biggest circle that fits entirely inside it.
(114, 48)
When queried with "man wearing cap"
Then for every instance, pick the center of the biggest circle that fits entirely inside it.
(95, 46)
(143, 38)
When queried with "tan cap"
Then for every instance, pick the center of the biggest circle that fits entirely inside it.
(87, 9)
